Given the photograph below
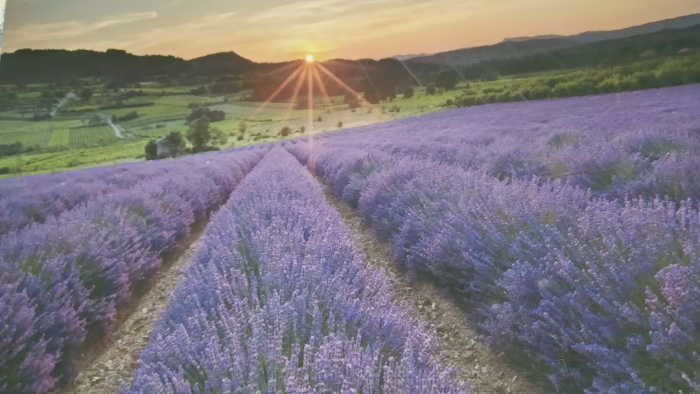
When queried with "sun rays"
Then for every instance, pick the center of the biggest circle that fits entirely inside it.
(309, 72)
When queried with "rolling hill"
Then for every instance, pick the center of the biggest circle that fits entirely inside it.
(525, 46)
(595, 36)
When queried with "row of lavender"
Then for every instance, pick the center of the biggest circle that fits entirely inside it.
(625, 145)
(601, 293)
(67, 277)
(34, 199)
(278, 300)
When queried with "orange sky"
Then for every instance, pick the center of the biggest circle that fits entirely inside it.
(282, 30)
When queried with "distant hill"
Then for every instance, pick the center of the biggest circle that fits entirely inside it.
(221, 63)
(408, 57)
(121, 68)
(55, 65)
(662, 44)
(526, 46)
(503, 50)
(544, 37)
(595, 36)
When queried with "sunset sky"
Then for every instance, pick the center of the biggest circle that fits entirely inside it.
(276, 30)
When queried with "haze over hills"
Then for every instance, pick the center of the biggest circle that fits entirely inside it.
(525, 46)
(505, 58)
(503, 50)
(411, 56)
(594, 36)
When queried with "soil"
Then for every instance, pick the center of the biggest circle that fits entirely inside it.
(459, 343)
(102, 366)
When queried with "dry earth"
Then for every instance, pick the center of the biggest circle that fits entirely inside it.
(460, 345)
(102, 366)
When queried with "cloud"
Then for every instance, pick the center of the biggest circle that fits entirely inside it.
(70, 29)
(295, 10)
(309, 8)
(185, 37)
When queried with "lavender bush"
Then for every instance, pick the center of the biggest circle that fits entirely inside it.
(68, 276)
(278, 300)
(578, 250)
(37, 198)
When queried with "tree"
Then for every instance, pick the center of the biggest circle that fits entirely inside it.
(220, 137)
(199, 134)
(214, 116)
(151, 150)
(86, 94)
(430, 89)
(354, 104)
(173, 144)
(447, 80)
(408, 92)
(285, 131)
(373, 96)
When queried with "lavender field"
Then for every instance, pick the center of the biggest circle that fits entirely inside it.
(74, 246)
(568, 231)
(568, 228)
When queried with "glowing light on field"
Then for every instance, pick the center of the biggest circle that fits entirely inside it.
(309, 70)
(278, 91)
(343, 84)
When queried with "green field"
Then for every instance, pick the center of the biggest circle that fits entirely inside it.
(33, 139)
(71, 138)
(60, 137)
(71, 159)
(91, 135)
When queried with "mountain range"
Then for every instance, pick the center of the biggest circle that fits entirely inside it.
(595, 36)
(513, 56)
(525, 46)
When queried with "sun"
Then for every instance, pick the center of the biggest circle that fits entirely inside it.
(309, 58)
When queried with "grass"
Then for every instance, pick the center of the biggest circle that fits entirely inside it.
(33, 139)
(60, 138)
(168, 113)
(27, 164)
(86, 136)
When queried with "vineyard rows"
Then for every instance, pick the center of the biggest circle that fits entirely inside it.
(60, 137)
(27, 139)
(91, 135)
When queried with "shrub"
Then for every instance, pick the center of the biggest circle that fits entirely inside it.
(285, 131)
(126, 117)
(151, 150)
(214, 116)
(447, 80)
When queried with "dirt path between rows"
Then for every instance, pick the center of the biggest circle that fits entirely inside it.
(459, 344)
(101, 367)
